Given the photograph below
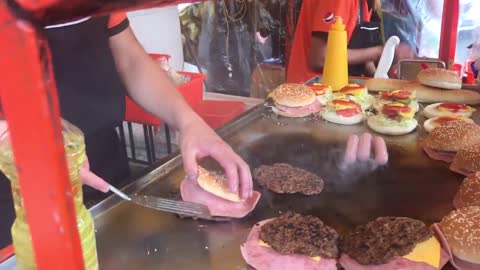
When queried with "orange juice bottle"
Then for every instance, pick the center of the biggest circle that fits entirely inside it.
(22, 243)
(335, 70)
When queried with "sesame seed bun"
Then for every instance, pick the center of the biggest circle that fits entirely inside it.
(431, 124)
(468, 158)
(293, 95)
(216, 184)
(461, 229)
(439, 77)
(453, 136)
(469, 192)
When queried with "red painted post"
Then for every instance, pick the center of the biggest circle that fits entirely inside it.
(30, 104)
(448, 36)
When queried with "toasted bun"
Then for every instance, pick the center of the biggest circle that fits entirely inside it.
(432, 111)
(331, 116)
(429, 94)
(430, 125)
(293, 95)
(453, 136)
(379, 84)
(440, 77)
(461, 228)
(468, 158)
(391, 130)
(216, 184)
(469, 191)
(286, 114)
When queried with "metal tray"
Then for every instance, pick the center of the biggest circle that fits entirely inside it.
(131, 237)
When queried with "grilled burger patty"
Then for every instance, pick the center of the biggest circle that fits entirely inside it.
(293, 233)
(284, 178)
(378, 241)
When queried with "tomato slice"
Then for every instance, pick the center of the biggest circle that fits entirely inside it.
(348, 112)
(394, 111)
(397, 94)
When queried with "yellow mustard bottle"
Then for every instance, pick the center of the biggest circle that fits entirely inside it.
(75, 154)
(335, 70)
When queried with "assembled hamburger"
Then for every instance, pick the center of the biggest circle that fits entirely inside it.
(343, 111)
(357, 93)
(323, 92)
(393, 119)
(291, 241)
(391, 243)
(445, 141)
(294, 100)
(397, 96)
(448, 109)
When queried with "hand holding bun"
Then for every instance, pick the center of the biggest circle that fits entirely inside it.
(216, 184)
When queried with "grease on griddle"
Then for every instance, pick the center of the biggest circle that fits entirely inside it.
(379, 241)
(284, 178)
(293, 233)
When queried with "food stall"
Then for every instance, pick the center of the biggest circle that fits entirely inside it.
(129, 236)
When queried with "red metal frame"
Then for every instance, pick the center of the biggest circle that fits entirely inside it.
(448, 36)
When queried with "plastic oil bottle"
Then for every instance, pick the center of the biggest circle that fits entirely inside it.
(335, 70)
(75, 155)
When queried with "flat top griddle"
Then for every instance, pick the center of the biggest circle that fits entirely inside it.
(412, 185)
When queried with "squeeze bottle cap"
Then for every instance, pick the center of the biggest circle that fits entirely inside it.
(338, 25)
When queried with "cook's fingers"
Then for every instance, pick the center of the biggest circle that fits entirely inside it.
(226, 158)
(92, 180)
(351, 151)
(380, 149)
(364, 146)
(246, 183)
(190, 165)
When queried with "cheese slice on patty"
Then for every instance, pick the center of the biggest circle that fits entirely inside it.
(263, 244)
(426, 252)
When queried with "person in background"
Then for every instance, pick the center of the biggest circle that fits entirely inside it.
(108, 64)
(365, 44)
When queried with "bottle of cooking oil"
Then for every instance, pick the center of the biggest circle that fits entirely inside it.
(75, 154)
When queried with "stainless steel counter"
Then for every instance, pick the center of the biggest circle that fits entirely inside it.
(131, 237)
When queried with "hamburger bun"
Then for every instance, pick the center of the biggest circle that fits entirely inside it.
(469, 192)
(439, 77)
(377, 125)
(432, 123)
(468, 158)
(433, 110)
(461, 229)
(333, 117)
(428, 94)
(381, 84)
(293, 95)
(453, 136)
(216, 184)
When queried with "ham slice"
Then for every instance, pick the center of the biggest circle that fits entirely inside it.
(455, 168)
(314, 107)
(456, 262)
(395, 264)
(192, 192)
(265, 258)
(439, 155)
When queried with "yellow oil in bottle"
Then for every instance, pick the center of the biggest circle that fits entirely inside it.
(75, 154)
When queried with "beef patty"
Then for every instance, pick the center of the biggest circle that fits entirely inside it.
(379, 241)
(297, 234)
(284, 178)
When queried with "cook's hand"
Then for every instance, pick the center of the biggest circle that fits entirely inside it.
(92, 180)
(364, 148)
(198, 141)
(403, 51)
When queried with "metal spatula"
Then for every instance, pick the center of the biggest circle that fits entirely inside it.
(181, 208)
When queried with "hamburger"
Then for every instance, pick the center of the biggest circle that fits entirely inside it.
(294, 100)
(291, 241)
(467, 160)
(469, 192)
(323, 92)
(343, 111)
(211, 189)
(460, 235)
(439, 77)
(397, 96)
(390, 242)
(445, 141)
(357, 93)
(393, 119)
(448, 109)
(433, 123)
